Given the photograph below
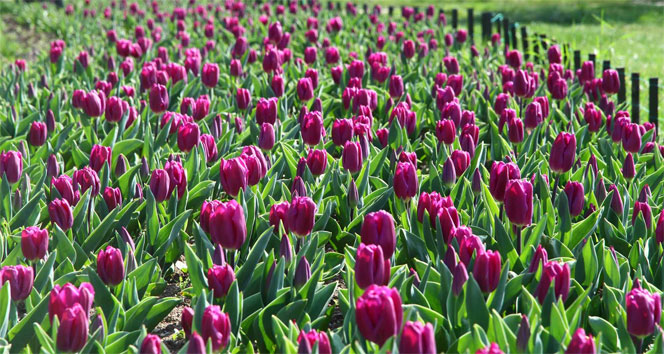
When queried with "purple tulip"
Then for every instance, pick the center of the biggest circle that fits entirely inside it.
(227, 224)
(110, 266)
(487, 270)
(371, 267)
(581, 343)
(234, 175)
(417, 337)
(379, 314)
(557, 273)
(378, 229)
(66, 296)
(300, 216)
(216, 327)
(220, 278)
(73, 330)
(20, 280)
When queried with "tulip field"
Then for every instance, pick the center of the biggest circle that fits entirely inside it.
(205, 176)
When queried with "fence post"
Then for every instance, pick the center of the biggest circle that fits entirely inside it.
(606, 65)
(499, 26)
(577, 60)
(524, 42)
(654, 101)
(506, 30)
(543, 43)
(635, 98)
(622, 91)
(513, 39)
(592, 57)
(365, 7)
(471, 24)
(455, 18)
(536, 46)
(486, 25)
(390, 10)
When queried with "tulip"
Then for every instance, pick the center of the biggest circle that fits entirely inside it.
(559, 89)
(94, 103)
(311, 338)
(210, 75)
(160, 185)
(112, 197)
(501, 173)
(610, 81)
(177, 177)
(629, 170)
(61, 214)
(644, 311)
(487, 270)
(65, 187)
(460, 276)
(37, 134)
(593, 117)
(196, 344)
(448, 174)
(581, 343)
(302, 273)
(305, 89)
(342, 131)
(266, 137)
(201, 107)
(513, 59)
(445, 131)
(379, 313)
(220, 278)
(519, 202)
(300, 216)
(20, 280)
(53, 168)
(408, 49)
(557, 273)
(370, 266)
(491, 349)
(34, 243)
(539, 256)
(11, 165)
(378, 229)
(352, 157)
(243, 98)
(616, 200)
(317, 161)
(234, 175)
(405, 181)
(98, 156)
(187, 320)
(521, 83)
(67, 296)
(644, 210)
(227, 225)
(188, 136)
(216, 327)
(534, 115)
(563, 152)
(151, 344)
(554, 55)
(417, 337)
(266, 111)
(575, 197)
(659, 229)
(158, 98)
(587, 71)
(209, 147)
(110, 266)
(396, 86)
(120, 166)
(468, 246)
(236, 68)
(73, 330)
(631, 137)
(312, 128)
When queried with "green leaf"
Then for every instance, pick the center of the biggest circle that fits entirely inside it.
(476, 309)
(244, 274)
(98, 234)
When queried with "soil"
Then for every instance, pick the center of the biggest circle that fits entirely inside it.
(32, 42)
(169, 329)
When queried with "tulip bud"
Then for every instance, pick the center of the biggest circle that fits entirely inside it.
(370, 266)
(188, 136)
(234, 175)
(307, 340)
(220, 278)
(342, 131)
(121, 166)
(186, 320)
(215, 327)
(151, 344)
(396, 86)
(575, 197)
(300, 216)
(629, 170)
(417, 338)
(405, 181)
(311, 128)
(379, 313)
(659, 229)
(644, 311)
(515, 130)
(558, 274)
(305, 89)
(563, 152)
(302, 273)
(61, 214)
(487, 270)
(476, 184)
(73, 330)
(227, 225)
(98, 156)
(20, 280)
(378, 229)
(50, 121)
(158, 98)
(539, 256)
(37, 134)
(160, 185)
(449, 173)
(210, 75)
(110, 266)
(196, 345)
(501, 174)
(353, 194)
(581, 343)
(460, 276)
(644, 209)
(11, 165)
(616, 201)
(298, 189)
(519, 202)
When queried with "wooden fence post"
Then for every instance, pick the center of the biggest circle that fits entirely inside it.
(455, 18)
(486, 25)
(513, 39)
(536, 46)
(654, 101)
(524, 42)
(506, 30)
(635, 98)
(622, 92)
(577, 60)
(471, 24)
(606, 65)
(592, 57)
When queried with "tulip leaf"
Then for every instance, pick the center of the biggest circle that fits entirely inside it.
(44, 339)
(609, 333)
(476, 309)
(195, 270)
(97, 235)
(22, 333)
(28, 214)
(168, 233)
(5, 308)
(244, 274)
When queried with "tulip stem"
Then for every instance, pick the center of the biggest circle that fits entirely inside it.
(517, 230)
(555, 188)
